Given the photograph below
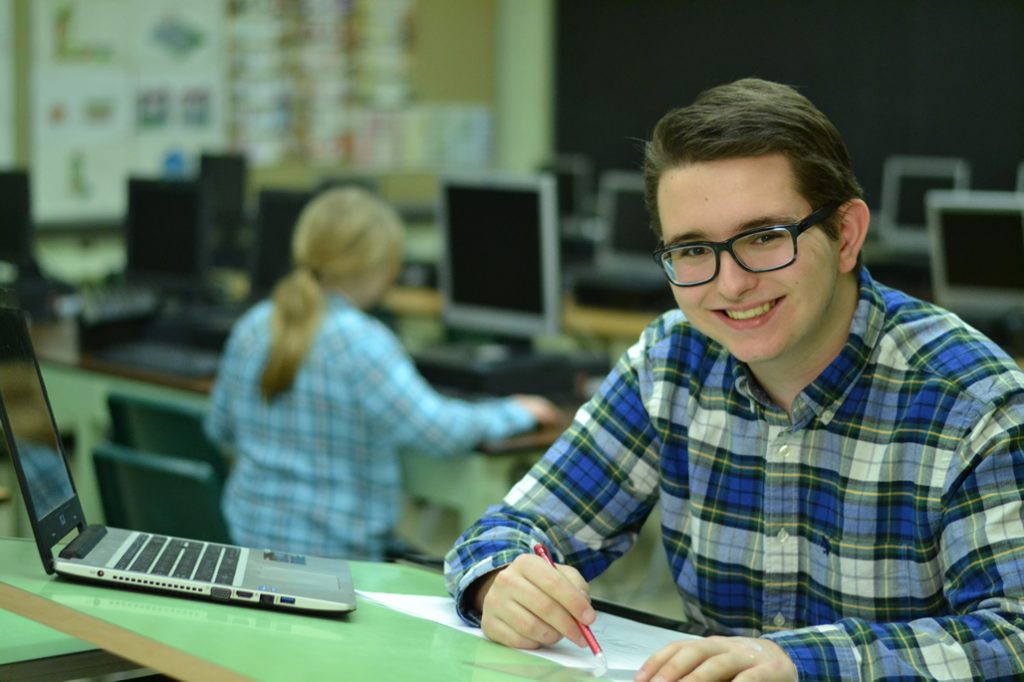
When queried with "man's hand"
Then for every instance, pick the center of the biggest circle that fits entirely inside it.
(719, 658)
(528, 604)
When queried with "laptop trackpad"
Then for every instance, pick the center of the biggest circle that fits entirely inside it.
(291, 578)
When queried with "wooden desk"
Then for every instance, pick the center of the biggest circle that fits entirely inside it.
(413, 301)
(576, 319)
(611, 323)
(199, 640)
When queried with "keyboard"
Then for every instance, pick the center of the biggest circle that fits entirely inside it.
(117, 302)
(163, 358)
(179, 558)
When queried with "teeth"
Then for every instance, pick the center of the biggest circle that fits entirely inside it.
(747, 314)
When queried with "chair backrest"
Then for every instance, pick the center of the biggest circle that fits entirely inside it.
(163, 427)
(158, 493)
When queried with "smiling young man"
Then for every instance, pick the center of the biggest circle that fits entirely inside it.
(840, 467)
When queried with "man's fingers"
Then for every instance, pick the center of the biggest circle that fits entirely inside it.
(563, 585)
(573, 576)
(497, 630)
(720, 658)
(521, 598)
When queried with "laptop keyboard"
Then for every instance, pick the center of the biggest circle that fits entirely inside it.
(186, 559)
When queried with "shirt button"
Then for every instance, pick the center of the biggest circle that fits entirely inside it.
(782, 535)
(779, 620)
(784, 451)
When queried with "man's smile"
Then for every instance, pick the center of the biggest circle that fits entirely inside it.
(749, 313)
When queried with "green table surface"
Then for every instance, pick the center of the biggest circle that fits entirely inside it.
(192, 639)
(25, 639)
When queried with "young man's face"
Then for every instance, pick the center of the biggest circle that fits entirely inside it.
(785, 319)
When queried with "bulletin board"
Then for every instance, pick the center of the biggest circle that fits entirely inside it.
(120, 87)
(333, 84)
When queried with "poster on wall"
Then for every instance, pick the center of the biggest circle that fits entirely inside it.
(81, 129)
(120, 88)
(6, 84)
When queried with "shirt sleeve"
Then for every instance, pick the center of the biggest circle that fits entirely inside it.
(982, 549)
(403, 405)
(586, 500)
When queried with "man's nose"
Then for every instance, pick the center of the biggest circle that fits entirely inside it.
(733, 281)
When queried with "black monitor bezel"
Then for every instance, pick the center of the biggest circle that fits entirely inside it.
(24, 232)
(493, 320)
(196, 278)
(611, 185)
(904, 238)
(961, 298)
(259, 284)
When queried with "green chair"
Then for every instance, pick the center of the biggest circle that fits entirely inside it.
(158, 493)
(163, 427)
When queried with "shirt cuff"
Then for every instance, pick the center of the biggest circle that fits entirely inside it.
(820, 652)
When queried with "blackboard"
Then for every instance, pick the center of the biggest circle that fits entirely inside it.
(929, 77)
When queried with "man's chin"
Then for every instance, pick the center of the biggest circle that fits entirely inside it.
(748, 354)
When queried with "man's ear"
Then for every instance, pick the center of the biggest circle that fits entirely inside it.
(853, 230)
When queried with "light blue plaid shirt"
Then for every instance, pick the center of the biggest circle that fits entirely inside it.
(879, 534)
(317, 468)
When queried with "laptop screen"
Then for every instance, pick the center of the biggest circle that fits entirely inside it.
(27, 424)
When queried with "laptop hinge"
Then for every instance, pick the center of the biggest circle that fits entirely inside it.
(83, 544)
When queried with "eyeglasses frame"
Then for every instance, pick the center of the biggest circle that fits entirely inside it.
(795, 230)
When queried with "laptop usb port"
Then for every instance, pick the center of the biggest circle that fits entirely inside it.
(244, 594)
(287, 600)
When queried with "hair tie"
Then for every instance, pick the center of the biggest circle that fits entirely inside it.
(315, 274)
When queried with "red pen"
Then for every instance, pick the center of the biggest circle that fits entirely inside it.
(542, 551)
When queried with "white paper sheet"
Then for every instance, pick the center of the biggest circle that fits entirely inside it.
(626, 643)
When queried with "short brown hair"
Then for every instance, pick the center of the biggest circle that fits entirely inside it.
(753, 117)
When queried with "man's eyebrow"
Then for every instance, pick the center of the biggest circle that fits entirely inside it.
(761, 221)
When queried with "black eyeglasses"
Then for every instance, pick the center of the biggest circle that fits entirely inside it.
(762, 249)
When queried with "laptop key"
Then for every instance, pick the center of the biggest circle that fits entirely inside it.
(148, 554)
(226, 572)
(136, 545)
(189, 557)
(208, 564)
(169, 557)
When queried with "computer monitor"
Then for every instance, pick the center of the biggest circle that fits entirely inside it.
(905, 182)
(977, 251)
(574, 179)
(627, 241)
(166, 234)
(277, 212)
(223, 177)
(499, 269)
(16, 218)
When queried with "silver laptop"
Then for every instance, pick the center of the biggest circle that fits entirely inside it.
(130, 559)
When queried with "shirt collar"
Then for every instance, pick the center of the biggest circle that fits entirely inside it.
(826, 393)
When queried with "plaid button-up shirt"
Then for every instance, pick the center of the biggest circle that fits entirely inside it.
(876, 534)
(317, 468)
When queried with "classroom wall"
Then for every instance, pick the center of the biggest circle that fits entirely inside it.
(6, 83)
(931, 77)
(496, 52)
